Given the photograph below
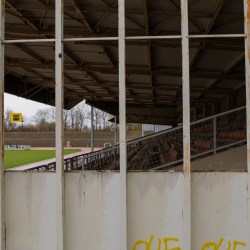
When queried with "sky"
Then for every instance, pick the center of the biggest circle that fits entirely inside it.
(27, 107)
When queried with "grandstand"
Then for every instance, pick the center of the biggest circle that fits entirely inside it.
(164, 150)
(181, 64)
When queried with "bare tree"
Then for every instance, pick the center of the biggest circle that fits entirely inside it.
(65, 119)
(8, 125)
(41, 118)
(52, 119)
(104, 119)
(96, 117)
(72, 118)
(80, 111)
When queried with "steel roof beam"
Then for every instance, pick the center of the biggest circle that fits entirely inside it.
(207, 31)
(145, 16)
(83, 19)
(105, 15)
(130, 87)
(228, 70)
(109, 70)
(80, 14)
(195, 23)
(128, 11)
(127, 16)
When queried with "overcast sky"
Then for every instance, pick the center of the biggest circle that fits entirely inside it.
(21, 105)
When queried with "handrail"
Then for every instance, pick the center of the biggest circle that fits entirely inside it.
(102, 158)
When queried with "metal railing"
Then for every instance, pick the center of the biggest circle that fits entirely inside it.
(164, 149)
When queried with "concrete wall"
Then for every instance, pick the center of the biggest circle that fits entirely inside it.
(36, 139)
(155, 210)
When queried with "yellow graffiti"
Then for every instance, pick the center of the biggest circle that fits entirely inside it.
(206, 245)
(166, 244)
(238, 243)
(212, 244)
(148, 245)
(216, 247)
(229, 245)
(139, 242)
(159, 247)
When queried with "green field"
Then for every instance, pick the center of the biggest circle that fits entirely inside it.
(18, 158)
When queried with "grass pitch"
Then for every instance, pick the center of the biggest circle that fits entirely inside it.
(14, 159)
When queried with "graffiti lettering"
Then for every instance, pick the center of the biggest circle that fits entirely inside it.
(238, 243)
(166, 244)
(216, 247)
(206, 245)
(148, 245)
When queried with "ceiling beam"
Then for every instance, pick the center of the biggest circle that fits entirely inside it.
(128, 11)
(82, 17)
(132, 71)
(195, 23)
(43, 13)
(145, 16)
(114, 6)
(80, 14)
(133, 86)
(104, 16)
(228, 70)
(168, 44)
(211, 22)
(20, 15)
(141, 97)
(218, 8)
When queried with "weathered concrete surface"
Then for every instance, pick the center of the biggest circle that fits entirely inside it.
(232, 159)
(154, 203)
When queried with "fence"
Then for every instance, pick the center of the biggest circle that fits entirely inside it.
(165, 149)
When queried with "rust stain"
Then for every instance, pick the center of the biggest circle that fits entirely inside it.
(5, 235)
(3, 6)
(247, 21)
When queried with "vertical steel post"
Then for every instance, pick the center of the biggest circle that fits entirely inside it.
(115, 131)
(122, 128)
(59, 125)
(215, 135)
(83, 163)
(2, 214)
(92, 130)
(186, 125)
(247, 75)
(247, 65)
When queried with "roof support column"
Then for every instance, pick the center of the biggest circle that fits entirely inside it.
(2, 214)
(115, 131)
(247, 75)
(186, 125)
(92, 129)
(59, 126)
(122, 128)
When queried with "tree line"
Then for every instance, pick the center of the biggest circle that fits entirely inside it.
(77, 119)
